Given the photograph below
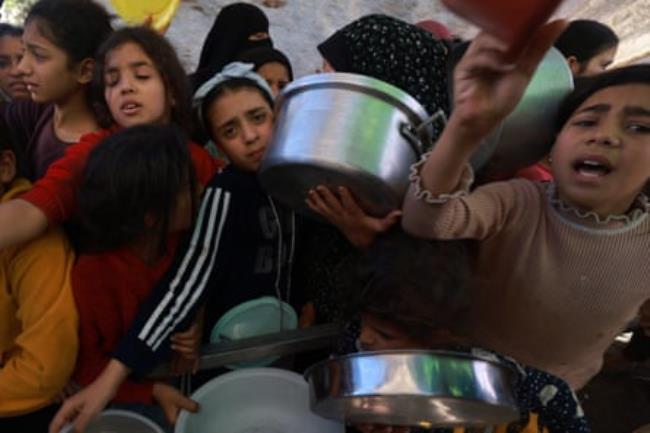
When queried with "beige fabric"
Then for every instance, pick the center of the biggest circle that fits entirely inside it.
(553, 289)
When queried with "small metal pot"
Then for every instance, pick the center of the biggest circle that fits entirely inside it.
(413, 388)
(343, 129)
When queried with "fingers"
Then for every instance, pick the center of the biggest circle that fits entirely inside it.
(541, 42)
(322, 201)
(187, 351)
(82, 421)
(179, 402)
(389, 220)
(67, 413)
(348, 201)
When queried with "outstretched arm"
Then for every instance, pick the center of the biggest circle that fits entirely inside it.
(20, 221)
(487, 87)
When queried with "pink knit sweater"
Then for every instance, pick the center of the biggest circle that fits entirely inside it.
(553, 286)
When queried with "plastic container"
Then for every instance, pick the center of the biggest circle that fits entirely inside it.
(253, 318)
(513, 21)
(115, 420)
(259, 400)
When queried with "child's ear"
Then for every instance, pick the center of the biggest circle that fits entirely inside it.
(7, 167)
(85, 70)
(574, 65)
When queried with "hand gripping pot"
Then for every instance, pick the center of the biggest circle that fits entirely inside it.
(414, 388)
(349, 130)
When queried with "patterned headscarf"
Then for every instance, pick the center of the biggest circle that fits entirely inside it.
(394, 51)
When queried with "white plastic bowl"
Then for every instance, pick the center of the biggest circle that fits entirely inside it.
(255, 400)
(119, 421)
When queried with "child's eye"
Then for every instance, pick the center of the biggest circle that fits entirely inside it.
(229, 132)
(639, 128)
(111, 80)
(584, 122)
(142, 77)
(259, 117)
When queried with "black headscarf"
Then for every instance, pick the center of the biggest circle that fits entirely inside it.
(262, 55)
(394, 51)
(228, 37)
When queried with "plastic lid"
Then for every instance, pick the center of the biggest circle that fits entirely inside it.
(136, 12)
(253, 318)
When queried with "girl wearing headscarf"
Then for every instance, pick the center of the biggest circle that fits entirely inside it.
(409, 58)
(394, 51)
(238, 27)
(272, 65)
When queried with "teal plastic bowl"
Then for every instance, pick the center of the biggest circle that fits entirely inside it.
(260, 316)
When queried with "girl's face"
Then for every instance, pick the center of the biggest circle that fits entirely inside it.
(11, 80)
(134, 89)
(598, 64)
(601, 158)
(276, 74)
(241, 124)
(47, 70)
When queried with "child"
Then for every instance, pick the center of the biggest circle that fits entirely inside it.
(12, 82)
(37, 316)
(242, 247)
(256, 236)
(61, 38)
(142, 81)
(270, 64)
(137, 193)
(237, 28)
(415, 297)
(561, 267)
(589, 47)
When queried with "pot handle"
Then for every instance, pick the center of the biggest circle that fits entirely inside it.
(411, 134)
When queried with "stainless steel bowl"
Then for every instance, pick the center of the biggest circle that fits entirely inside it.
(413, 388)
(348, 130)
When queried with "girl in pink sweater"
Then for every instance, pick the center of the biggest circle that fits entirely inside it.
(562, 267)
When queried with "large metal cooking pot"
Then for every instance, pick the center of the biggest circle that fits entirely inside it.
(413, 388)
(348, 130)
(527, 134)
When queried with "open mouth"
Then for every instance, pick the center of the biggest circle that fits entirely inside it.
(130, 108)
(593, 167)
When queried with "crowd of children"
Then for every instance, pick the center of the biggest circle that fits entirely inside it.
(132, 240)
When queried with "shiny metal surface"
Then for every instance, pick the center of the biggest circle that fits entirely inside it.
(528, 133)
(414, 388)
(248, 349)
(343, 129)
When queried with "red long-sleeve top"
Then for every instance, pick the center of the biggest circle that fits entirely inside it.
(108, 290)
(55, 193)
